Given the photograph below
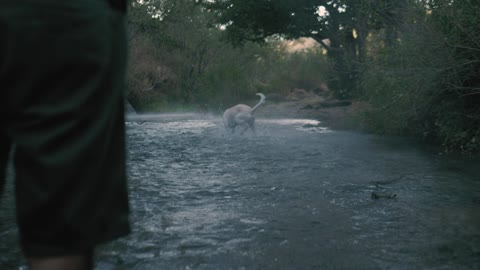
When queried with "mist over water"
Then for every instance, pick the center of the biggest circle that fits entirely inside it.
(295, 196)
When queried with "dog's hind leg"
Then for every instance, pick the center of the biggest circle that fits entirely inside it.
(251, 124)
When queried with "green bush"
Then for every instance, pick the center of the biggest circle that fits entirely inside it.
(428, 85)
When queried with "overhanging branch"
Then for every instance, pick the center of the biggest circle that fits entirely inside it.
(321, 41)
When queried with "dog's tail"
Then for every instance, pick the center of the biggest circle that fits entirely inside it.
(262, 100)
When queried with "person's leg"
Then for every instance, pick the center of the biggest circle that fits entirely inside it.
(67, 122)
(5, 141)
(73, 262)
(5, 145)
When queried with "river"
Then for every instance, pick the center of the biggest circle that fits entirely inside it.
(296, 195)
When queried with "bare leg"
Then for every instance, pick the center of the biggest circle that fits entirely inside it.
(72, 262)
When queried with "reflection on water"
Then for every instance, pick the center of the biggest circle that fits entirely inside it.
(290, 121)
(168, 128)
(299, 124)
(295, 196)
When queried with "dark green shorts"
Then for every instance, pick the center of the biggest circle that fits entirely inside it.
(62, 66)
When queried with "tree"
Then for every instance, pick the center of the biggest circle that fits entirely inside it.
(178, 58)
(170, 49)
(340, 26)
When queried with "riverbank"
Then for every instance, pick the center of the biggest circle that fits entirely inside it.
(336, 114)
(341, 115)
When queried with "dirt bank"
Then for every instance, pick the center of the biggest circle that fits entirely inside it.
(333, 113)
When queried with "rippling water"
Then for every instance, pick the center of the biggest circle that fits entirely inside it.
(295, 196)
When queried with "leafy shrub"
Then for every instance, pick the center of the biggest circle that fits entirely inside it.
(428, 85)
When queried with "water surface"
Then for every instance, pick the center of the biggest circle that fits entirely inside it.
(295, 196)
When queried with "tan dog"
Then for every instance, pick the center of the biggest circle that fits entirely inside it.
(241, 115)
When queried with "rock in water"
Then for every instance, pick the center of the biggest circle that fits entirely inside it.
(387, 195)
